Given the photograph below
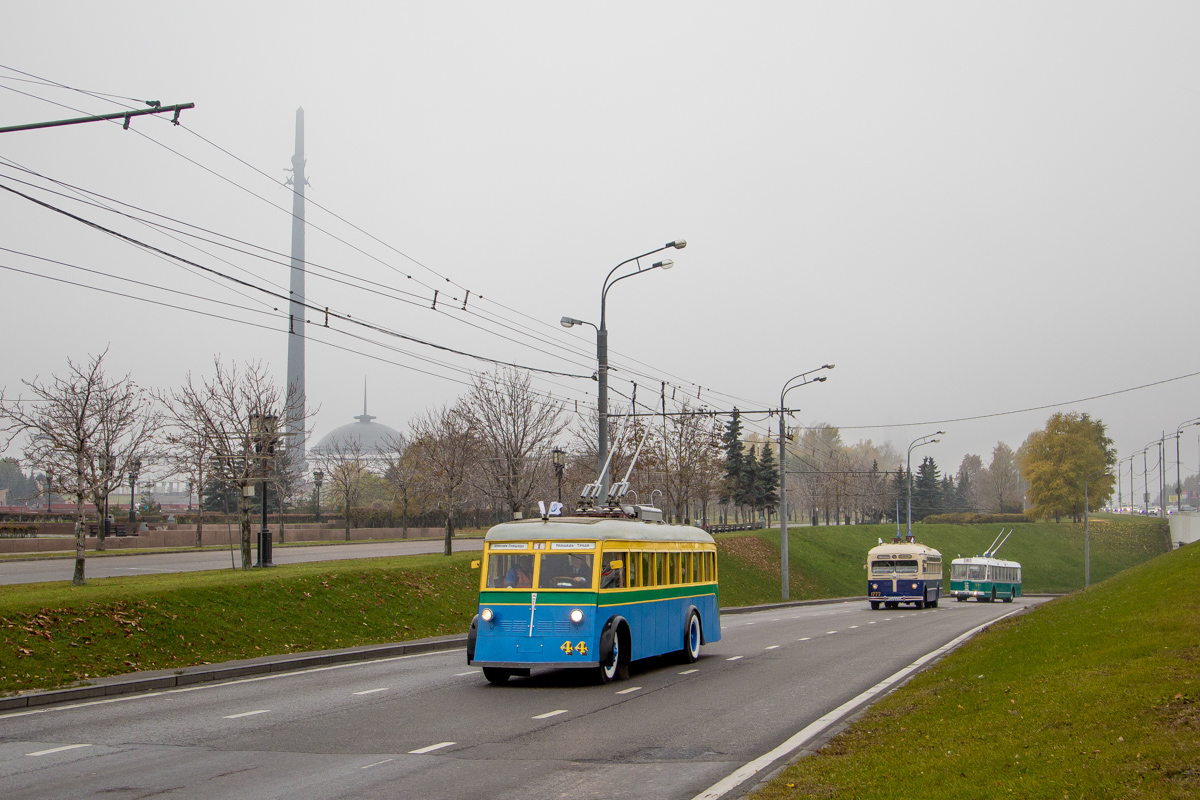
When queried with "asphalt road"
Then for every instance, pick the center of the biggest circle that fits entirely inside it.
(60, 569)
(429, 726)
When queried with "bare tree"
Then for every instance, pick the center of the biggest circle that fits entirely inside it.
(88, 428)
(226, 412)
(445, 446)
(515, 429)
(693, 453)
(344, 466)
(402, 474)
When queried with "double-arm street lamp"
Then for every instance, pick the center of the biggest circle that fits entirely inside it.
(602, 344)
(918, 442)
(804, 380)
(1087, 551)
(1178, 481)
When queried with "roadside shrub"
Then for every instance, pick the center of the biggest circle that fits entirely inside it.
(973, 518)
(18, 530)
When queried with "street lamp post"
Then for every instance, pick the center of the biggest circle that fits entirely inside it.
(1178, 480)
(133, 476)
(318, 479)
(602, 345)
(783, 534)
(263, 428)
(107, 466)
(560, 462)
(49, 490)
(1087, 545)
(918, 442)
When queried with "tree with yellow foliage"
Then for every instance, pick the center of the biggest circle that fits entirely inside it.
(1057, 460)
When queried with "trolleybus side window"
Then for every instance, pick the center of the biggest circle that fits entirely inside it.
(647, 569)
(612, 576)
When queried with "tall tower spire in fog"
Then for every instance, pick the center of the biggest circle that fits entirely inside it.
(295, 363)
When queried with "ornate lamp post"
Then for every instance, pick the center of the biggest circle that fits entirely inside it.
(318, 479)
(560, 462)
(133, 476)
(919, 442)
(262, 429)
(783, 535)
(602, 345)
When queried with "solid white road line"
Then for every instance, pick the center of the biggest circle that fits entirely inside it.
(630, 690)
(689, 671)
(57, 749)
(733, 658)
(422, 751)
(249, 713)
(371, 691)
(549, 714)
(740, 776)
(377, 763)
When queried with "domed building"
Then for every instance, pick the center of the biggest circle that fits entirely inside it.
(373, 438)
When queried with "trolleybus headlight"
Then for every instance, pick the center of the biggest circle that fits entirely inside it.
(576, 616)
(486, 614)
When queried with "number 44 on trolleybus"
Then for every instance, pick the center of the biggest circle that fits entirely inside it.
(596, 590)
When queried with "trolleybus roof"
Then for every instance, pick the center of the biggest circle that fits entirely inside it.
(594, 528)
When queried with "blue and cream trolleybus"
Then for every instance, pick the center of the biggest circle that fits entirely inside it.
(594, 590)
(903, 571)
(985, 577)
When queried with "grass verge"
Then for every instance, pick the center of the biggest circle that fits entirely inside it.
(54, 634)
(1093, 695)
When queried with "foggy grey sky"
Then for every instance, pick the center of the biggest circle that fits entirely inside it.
(969, 208)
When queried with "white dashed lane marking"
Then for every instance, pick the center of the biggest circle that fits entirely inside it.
(549, 714)
(733, 658)
(630, 690)
(249, 713)
(422, 751)
(805, 639)
(372, 691)
(58, 749)
(689, 671)
(377, 763)
(773, 647)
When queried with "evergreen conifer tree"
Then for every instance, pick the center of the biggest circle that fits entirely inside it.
(927, 489)
(734, 461)
(767, 480)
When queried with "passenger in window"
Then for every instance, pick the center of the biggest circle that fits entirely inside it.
(520, 574)
(611, 578)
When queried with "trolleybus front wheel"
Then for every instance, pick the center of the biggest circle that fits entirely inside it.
(691, 639)
(614, 663)
(874, 606)
(496, 675)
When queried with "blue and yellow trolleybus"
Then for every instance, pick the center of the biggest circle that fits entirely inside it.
(985, 577)
(903, 571)
(595, 590)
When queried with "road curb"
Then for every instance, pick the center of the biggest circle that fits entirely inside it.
(207, 673)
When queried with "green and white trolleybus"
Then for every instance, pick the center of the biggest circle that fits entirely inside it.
(985, 577)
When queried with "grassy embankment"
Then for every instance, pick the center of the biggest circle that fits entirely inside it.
(828, 561)
(55, 634)
(1093, 695)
